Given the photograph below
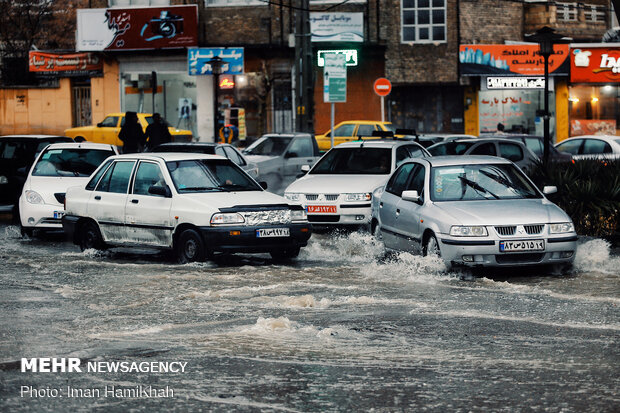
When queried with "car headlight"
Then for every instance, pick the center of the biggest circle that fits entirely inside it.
(227, 218)
(292, 196)
(468, 231)
(299, 215)
(366, 196)
(561, 227)
(33, 197)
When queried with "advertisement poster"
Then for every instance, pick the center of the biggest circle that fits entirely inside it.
(580, 127)
(65, 64)
(137, 28)
(594, 64)
(511, 60)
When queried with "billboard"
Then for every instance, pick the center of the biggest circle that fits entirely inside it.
(594, 64)
(137, 28)
(65, 64)
(198, 60)
(511, 60)
(337, 27)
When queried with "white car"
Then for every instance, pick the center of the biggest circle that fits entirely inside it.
(338, 189)
(591, 147)
(195, 204)
(472, 211)
(58, 167)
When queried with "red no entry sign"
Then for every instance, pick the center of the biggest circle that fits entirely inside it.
(382, 86)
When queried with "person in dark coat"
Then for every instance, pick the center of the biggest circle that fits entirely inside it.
(131, 134)
(157, 132)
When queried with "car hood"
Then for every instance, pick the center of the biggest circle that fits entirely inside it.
(219, 200)
(503, 212)
(337, 183)
(47, 186)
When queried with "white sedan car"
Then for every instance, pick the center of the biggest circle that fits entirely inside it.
(591, 147)
(58, 167)
(195, 204)
(338, 189)
(472, 211)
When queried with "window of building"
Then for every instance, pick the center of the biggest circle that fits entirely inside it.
(594, 14)
(130, 3)
(594, 109)
(423, 21)
(566, 12)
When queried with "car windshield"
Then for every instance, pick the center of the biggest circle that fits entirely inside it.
(270, 146)
(70, 162)
(477, 182)
(450, 148)
(209, 175)
(368, 161)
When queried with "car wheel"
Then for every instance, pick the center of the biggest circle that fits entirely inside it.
(90, 237)
(376, 231)
(286, 254)
(431, 247)
(190, 247)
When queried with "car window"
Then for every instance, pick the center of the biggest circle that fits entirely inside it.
(302, 147)
(416, 180)
(571, 146)
(147, 175)
(270, 146)
(397, 183)
(402, 153)
(14, 150)
(110, 122)
(234, 156)
(450, 148)
(344, 130)
(209, 175)
(594, 146)
(78, 162)
(511, 151)
(116, 179)
(148, 119)
(535, 145)
(93, 181)
(415, 151)
(367, 161)
(219, 150)
(365, 130)
(42, 145)
(487, 148)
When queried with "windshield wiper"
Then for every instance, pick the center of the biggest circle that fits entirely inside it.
(204, 188)
(477, 187)
(508, 184)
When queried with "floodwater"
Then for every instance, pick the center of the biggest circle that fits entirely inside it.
(341, 328)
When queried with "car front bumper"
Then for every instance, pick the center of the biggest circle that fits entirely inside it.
(346, 214)
(558, 249)
(244, 239)
(40, 216)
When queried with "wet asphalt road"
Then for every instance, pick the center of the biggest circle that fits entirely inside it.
(339, 329)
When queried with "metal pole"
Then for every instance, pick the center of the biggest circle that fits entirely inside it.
(332, 123)
(382, 110)
(215, 114)
(546, 115)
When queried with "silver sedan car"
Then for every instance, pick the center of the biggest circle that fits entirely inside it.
(472, 211)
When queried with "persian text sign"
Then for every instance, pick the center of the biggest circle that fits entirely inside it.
(337, 27)
(137, 29)
(335, 78)
(595, 64)
(65, 64)
(511, 60)
(232, 60)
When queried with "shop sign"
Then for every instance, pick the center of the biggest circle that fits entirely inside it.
(351, 56)
(227, 82)
(198, 60)
(337, 27)
(595, 65)
(144, 28)
(65, 64)
(335, 78)
(511, 60)
(506, 82)
(580, 127)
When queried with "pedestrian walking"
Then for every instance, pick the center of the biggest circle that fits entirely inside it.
(157, 132)
(132, 134)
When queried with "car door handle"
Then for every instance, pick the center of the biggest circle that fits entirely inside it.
(98, 197)
(134, 201)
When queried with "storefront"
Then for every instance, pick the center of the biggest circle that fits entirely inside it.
(594, 91)
(507, 92)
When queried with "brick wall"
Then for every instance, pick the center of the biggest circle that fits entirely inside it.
(580, 30)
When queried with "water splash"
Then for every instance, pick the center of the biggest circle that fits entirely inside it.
(594, 256)
(355, 247)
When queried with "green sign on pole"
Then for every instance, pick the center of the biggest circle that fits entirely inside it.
(335, 78)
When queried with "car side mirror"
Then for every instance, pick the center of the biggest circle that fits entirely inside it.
(410, 196)
(305, 168)
(291, 155)
(548, 190)
(263, 184)
(160, 191)
(100, 125)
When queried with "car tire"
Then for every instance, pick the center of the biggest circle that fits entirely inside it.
(376, 231)
(190, 247)
(285, 254)
(89, 237)
(431, 247)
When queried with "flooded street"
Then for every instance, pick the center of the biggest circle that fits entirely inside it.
(339, 329)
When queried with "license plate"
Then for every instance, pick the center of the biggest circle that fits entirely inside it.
(58, 214)
(321, 209)
(272, 232)
(522, 245)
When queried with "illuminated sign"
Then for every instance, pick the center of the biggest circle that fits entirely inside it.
(351, 56)
(226, 82)
(515, 82)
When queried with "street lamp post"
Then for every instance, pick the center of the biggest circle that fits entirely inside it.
(216, 64)
(546, 38)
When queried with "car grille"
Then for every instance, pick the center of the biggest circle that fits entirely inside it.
(533, 229)
(312, 197)
(508, 230)
(277, 216)
(323, 218)
(327, 197)
(331, 197)
(531, 258)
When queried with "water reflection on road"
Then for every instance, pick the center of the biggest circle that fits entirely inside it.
(341, 328)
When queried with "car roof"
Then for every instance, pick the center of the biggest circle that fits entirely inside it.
(33, 136)
(376, 143)
(476, 140)
(454, 160)
(167, 156)
(363, 122)
(285, 135)
(193, 144)
(607, 138)
(80, 145)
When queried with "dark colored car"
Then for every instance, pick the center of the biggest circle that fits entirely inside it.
(17, 154)
(536, 145)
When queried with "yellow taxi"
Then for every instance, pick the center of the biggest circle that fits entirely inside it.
(107, 130)
(350, 130)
